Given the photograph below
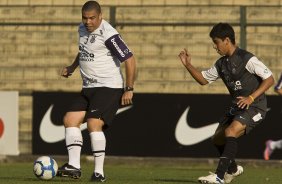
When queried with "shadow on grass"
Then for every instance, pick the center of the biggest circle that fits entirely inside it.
(176, 180)
(35, 180)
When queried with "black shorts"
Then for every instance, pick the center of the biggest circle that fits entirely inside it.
(100, 103)
(250, 117)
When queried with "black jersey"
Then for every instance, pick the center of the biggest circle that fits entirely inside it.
(242, 73)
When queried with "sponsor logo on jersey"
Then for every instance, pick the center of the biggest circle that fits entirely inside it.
(238, 85)
(117, 47)
(84, 55)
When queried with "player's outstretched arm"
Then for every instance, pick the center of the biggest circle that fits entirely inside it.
(185, 58)
(130, 70)
(67, 71)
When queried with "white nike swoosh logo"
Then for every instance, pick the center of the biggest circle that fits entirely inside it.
(187, 135)
(69, 169)
(51, 133)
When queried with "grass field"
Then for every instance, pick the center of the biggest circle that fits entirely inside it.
(144, 171)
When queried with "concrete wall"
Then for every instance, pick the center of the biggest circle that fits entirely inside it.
(33, 52)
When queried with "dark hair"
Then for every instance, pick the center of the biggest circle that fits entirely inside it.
(222, 31)
(91, 5)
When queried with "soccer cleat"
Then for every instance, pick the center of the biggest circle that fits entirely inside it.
(212, 179)
(268, 151)
(229, 177)
(97, 177)
(69, 171)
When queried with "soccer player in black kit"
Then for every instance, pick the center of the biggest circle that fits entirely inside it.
(246, 79)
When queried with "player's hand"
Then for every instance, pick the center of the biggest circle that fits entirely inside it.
(244, 102)
(126, 98)
(66, 72)
(185, 57)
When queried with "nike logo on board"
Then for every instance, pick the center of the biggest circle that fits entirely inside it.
(187, 135)
(51, 133)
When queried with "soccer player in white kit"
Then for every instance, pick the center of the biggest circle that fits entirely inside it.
(101, 52)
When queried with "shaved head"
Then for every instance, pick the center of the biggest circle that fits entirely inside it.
(91, 5)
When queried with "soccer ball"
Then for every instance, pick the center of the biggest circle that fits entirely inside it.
(45, 168)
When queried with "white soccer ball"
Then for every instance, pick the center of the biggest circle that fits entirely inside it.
(45, 168)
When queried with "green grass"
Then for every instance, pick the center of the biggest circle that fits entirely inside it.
(140, 171)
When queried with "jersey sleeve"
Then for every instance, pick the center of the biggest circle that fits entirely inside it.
(211, 74)
(118, 47)
(255, 66)
(278, 86)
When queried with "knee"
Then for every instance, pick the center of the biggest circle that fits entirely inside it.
(230, 132)
(71, 121)
(66, 120)
(95, 125)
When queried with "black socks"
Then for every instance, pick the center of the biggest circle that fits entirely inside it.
(227, 157)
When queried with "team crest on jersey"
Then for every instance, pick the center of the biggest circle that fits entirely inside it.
(93, 38)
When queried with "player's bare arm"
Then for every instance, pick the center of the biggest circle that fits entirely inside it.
(244, 102)
(67, 71)
(185, 58)
(130, 70)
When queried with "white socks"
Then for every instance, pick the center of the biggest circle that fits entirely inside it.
(74, 143)
(98, 144)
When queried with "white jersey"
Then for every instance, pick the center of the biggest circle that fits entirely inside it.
(99, 65)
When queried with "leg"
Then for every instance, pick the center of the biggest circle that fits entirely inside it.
(225, 140)
(72, 122)
(219, 139)
(219, 142)
(270, 147)
(104, 103)
(74, 142)
(232, 132)
(98, 145)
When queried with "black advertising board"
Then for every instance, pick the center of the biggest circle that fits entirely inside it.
(161, 125)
